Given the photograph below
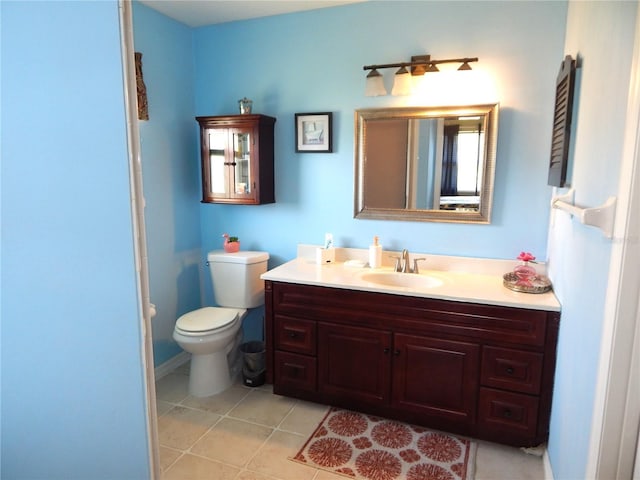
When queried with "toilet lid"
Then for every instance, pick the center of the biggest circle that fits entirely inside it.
(207, 318)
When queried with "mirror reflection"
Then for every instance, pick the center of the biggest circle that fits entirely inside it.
(426, 164)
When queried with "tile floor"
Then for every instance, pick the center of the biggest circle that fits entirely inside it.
(248, 433)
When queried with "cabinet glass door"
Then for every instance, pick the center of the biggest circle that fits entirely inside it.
(219, 175)
(241, 163)
(236, 156)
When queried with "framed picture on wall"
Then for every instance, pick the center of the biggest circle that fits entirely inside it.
(313, 132)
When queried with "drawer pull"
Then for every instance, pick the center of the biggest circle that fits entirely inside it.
(292, 334)
(386, 351)
(506, 413)
(396, 353)
(509, 370)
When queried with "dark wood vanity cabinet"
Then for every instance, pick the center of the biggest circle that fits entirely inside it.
(435, 378)
(237, 159)
(353, 362)
(473, 369)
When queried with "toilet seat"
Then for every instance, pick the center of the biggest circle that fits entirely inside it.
(207, 320)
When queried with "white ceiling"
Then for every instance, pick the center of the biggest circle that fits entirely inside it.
(197, 13)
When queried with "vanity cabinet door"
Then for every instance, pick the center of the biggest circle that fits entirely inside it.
(237, 159)
(354, 363)
(436, 378)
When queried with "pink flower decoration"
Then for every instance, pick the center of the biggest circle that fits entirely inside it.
(526, 257)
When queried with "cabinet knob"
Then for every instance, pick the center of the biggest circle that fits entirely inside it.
(509, 370)
(292, 334)
(506, 413)
(386, 350)
(396, 352)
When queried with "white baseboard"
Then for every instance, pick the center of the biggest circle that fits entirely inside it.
(170, 365)
(548, 472)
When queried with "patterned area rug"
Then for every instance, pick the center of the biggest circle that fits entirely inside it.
(365, 447)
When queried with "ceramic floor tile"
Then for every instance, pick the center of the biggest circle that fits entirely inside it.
(232, 441)
(272, 458)
(265, 387)
(248, 475)
(163, 407)
(191, 467)
(500, 462)
(168, 456)
(181, 427)
(172, 388)
(263, 408)
(184, 368)
(324, 475)
(221, 403)
(304, 418)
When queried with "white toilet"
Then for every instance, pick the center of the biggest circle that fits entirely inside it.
(213, 334)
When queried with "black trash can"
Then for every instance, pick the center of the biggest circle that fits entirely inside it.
(253, 363)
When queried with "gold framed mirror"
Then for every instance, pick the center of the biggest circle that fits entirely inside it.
(428, 164)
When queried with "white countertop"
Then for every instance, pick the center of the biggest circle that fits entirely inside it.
(480, 283)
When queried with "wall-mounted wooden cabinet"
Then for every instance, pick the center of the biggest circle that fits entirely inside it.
(237, 159)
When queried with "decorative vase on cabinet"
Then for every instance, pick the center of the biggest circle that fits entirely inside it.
(237, 159)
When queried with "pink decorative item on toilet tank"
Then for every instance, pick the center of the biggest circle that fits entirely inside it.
(231, 244)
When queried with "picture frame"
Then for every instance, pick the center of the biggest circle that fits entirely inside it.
(314, 132)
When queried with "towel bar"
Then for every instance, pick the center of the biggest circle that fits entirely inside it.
(601, 217)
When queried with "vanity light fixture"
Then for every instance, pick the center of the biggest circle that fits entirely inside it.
(419, 65)
(375, 84)
(402, 83)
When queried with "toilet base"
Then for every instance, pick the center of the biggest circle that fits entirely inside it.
(209, 374)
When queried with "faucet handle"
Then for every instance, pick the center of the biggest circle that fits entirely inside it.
(415, 264)
(398, 266)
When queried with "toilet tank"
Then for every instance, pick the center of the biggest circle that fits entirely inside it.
(236, 278)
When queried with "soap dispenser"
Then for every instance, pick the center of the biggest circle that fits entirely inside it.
(375, 253)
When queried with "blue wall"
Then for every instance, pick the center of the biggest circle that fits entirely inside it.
(579, 256)
(286, 65)
(171, 176)
(73, 391)
(314, 192)
(72, 380)
(312, 61)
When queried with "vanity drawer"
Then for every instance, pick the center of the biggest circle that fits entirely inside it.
(505, 414)
(511, 369)
(295, 371)
(295, 335)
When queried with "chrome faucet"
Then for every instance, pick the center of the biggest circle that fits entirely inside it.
(402, 263)
(415, 264)
(405, 261)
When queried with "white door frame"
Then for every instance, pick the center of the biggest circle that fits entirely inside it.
(616, 415)
(140, 244)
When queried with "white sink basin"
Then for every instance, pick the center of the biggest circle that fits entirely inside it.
(405, 280)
